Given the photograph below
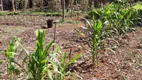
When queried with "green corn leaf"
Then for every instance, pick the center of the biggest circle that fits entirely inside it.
(50, 75)
(99, 25)
(74, 58)
(129, 14)
(88, 23)
(62, 75)
(47, 48)
(24, 49)
(55, 66)
(57, 48)
(35, 61)
(64, 59)
(40, 35)
(97, 13)
(43, 61)
(81, 33)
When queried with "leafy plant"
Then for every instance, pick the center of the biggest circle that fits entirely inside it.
(116, 18)
(60, 66)
(121, 22)
(42, 63)
(10, 55)
(37, 60)
(95, 34)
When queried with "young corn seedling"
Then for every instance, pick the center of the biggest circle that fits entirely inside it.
(94, 33)
(60, 66)
(10, 55)
(38, 60)
(42, 63)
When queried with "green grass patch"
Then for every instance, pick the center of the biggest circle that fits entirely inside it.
(32, 13)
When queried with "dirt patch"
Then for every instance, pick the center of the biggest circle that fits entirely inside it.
(7, 32)
(123, 63)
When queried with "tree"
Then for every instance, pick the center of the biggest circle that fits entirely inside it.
(63, 7)
(26, 4)
(67, 3)
(1, 5)
(13, 5)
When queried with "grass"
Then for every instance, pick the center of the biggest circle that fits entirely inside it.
(31, 13)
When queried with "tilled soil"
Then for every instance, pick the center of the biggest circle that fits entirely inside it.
(122, 63)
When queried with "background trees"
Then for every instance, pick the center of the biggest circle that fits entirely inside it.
(13, 5)
(54, 5)
(1, 5)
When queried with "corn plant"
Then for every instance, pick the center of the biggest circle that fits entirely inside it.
(10, 55)
(42, 63)
(122, 21)
(37, 60)
(46, 61)
(60, 66)
(95, 34)
(116, 18)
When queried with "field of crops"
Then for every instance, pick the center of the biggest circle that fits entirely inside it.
(104, 43)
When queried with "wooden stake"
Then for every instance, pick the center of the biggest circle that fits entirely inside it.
(54, 36)
(63, 5)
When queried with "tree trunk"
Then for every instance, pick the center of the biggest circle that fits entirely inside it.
(70, 3)
(30, 3)
(41, 3)
(26, 4)
(1, 5)
(13, 5)
(63, 6)
(67, 3)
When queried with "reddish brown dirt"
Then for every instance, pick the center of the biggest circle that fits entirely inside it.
(125, 63)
